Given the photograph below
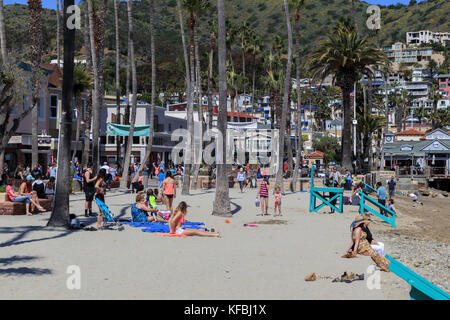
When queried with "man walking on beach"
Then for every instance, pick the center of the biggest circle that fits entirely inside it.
(391, 187)
(381, 194)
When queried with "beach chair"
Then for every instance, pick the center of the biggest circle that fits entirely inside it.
(108, 218)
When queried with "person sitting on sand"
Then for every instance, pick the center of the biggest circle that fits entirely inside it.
(151, 199)
(362, 242)
(391, 206)
(414, 198)
(159, 197)
(139, 211)
(177, 220)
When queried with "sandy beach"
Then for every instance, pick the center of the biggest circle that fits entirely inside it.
(265, 262)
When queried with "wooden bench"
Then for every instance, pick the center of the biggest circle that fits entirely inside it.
(8, 207)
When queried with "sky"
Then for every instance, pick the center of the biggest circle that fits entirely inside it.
(51, 4)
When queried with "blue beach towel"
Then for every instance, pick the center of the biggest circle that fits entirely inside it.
(163, 227)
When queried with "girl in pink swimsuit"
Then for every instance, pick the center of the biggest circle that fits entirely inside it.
(177, 220)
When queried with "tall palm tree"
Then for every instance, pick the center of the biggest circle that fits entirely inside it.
(152, 107)
(286, 104)
(222, 198)
(2, 34)
(82, 82)
(212, 47)
(368, 124)
(188, 154)
(434, 95)
(297, 5)
(421, 113)
(58, 50)
(243, 33)
(88, 117)
(231, 83)
(345, 57)
(35, 12)
(60, 212)
(117, 34)
(255, 44)
(127, 159)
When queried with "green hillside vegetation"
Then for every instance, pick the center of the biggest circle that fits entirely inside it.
(266, 18)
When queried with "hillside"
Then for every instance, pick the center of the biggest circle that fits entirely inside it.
(266, 17)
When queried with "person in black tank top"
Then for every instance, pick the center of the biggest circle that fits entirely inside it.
(89, 189)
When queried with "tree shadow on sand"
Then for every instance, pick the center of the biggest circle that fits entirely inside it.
(21, 271)
(23, 231)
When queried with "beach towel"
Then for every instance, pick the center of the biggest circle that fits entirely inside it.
(162, 227)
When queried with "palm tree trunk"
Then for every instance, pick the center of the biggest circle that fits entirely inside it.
(287, 87)
(124, 180)
(347, 129)
(35, 11)
(116, 21)
(58, 50)
(2, 35)
(298, 126)
(77, 132)
(88, 119)
(198, 142)
(222, 199)
(152, 107)
(210, 78)
(60, 212)
(190, 109)
(96, 92)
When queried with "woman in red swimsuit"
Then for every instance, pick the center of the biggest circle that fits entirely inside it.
(176, 222)
(169, 191)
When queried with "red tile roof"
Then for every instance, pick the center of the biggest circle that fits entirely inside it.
(55, 77)
(315, 154)
(410, 132)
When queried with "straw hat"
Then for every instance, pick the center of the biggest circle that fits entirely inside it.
(360, 219)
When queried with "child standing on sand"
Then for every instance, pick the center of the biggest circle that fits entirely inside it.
(277, 202)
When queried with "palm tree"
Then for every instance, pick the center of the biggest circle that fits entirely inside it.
(405, 100)
(421, 113)
(88, 118)
(434, 95)
(58, 51)
(222, 198)
(286, 105)
(148, 152)
(243, 35)
(190, 109)
(127, 159)
(345, 57)
(231, 82)
(116, 23)
(212, 47)
(297, 5)
(368, 124)
(82, 81)
(60, 212)
(2, 34)
(35, 11)
(255, 45)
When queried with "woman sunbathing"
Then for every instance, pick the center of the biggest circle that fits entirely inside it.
(176, 222)
(139, 211)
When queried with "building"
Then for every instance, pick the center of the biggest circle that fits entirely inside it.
(400, 53)
(426, 36)
(429, 156)
(49, 116)
(165, 123)
(444, 83)
(315, 158)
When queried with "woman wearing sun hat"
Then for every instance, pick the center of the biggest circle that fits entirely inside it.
(363, 243)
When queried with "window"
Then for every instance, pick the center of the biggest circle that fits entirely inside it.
(102, 139)
(135, 140)
(111, 139)
(41, 108)
(53, 106)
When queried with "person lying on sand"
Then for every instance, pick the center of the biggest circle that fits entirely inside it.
(139, 211)
(176, 222)
(363, 243)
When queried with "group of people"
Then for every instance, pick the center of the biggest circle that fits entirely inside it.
(339, 180)
(30, 191)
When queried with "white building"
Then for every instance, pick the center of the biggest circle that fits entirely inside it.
(426, 36)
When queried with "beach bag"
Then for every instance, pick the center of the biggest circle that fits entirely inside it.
(257, 202)
(346, 200)
(164, 214)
